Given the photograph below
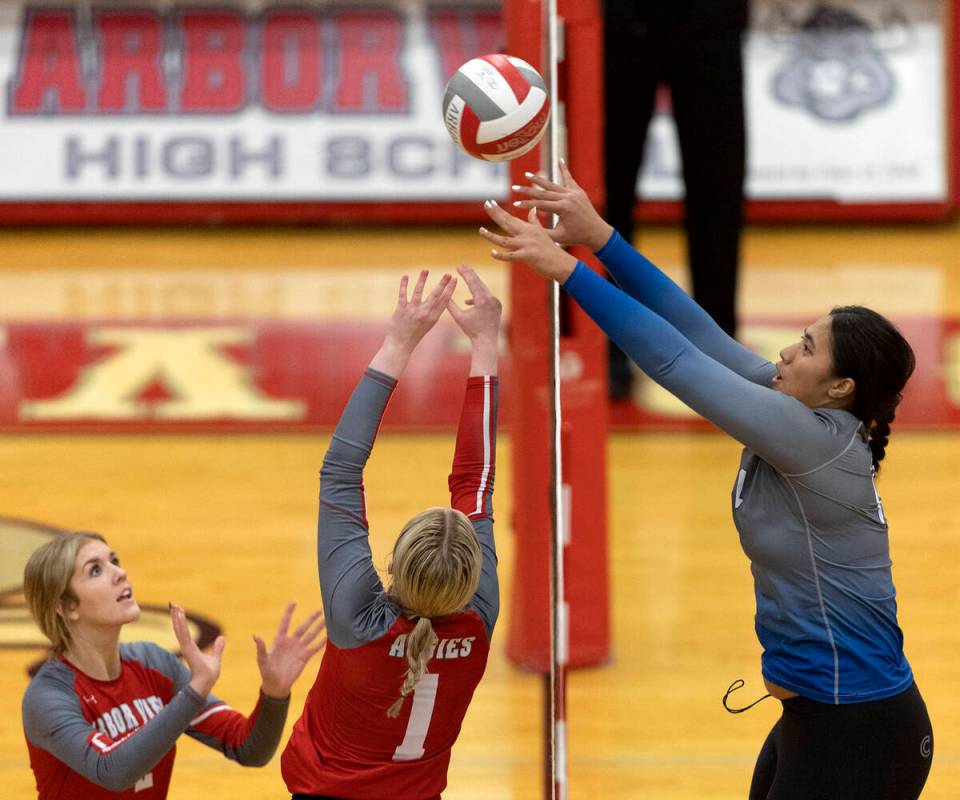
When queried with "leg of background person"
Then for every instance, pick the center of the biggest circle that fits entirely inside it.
(630, 82)
(708, 106)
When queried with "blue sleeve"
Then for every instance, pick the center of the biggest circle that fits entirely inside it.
(646, 284)
(779, 428)
(353, 596)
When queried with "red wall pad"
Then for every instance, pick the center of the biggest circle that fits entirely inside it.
(583, 380)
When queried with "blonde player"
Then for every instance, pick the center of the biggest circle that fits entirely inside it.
(403, 660)
(102, 718)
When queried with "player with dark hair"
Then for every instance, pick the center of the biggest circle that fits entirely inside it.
(402, 663)
(815, 427)
(102, 717)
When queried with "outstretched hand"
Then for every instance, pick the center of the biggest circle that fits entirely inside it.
(411, 320)
(283, 663)
(527, 241)
(480, 321)
(577, 220)
(204, 667)
(481, 318)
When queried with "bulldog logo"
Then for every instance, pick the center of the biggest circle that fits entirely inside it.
(19, 538)
(837, 68)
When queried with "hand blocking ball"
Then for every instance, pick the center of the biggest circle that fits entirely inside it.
(495, 107)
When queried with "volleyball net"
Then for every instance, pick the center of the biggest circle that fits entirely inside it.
(559, 419)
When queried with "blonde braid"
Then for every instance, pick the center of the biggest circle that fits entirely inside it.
(420, 644)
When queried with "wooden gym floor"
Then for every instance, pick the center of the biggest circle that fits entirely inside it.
(224, 525)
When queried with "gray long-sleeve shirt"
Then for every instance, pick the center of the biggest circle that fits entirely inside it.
(92, 739)
(356, 607)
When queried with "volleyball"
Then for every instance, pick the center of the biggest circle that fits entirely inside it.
(495, 107)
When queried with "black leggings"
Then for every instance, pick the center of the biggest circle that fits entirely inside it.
(879, 750)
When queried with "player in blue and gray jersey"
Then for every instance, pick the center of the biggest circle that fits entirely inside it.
(814, 427)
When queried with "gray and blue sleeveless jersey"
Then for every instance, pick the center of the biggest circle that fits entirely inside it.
(804, 500)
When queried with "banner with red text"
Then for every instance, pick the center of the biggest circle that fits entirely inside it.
(337, 104)
(330, 101)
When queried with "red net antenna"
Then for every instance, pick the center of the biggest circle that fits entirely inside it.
(559, 361)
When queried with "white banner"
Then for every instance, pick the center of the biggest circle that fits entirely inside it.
(845, 100)
(340, 101)
(336, 102)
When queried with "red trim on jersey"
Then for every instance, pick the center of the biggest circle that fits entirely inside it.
(361, 519)
(225, 725)
(471, 481)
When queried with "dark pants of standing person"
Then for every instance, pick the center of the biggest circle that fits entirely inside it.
(879, 750)
(705, 76)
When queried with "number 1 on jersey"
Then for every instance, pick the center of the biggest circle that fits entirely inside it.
(424, 697)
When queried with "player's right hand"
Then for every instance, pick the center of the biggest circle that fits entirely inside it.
(414, 317)
(204, 667)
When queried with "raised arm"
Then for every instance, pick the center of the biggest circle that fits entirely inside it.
(252, 740)
(579, 223)
(349, 582)
(474, 461)
(779, 428)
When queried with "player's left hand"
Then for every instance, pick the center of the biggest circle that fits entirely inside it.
(289, 653)
(528, 241)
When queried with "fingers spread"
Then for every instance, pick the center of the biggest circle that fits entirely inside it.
(285, 619)
(181, 631)
(421, 283)
(543, 182)
(402, 300)
(494, 238)
(470, 277)
(313, 634)
(567, 175)
(455, 311)
(537, 196)
(541, 204)
(442, 294)
(505, 220)
(307, 623)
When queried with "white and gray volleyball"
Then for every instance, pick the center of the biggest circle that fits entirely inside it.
(495, 107)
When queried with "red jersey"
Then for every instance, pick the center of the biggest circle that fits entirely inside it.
(108, 740)
(345, 745)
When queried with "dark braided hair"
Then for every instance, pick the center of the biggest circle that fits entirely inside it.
(870, 350)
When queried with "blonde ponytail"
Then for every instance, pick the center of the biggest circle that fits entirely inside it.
(420, 644)
(436, 570)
